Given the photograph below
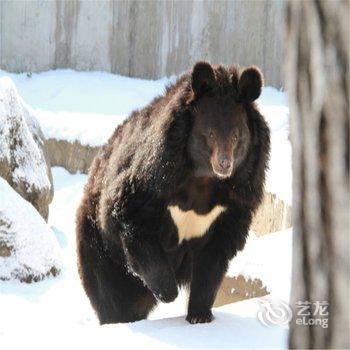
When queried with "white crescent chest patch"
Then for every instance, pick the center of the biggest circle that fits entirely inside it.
(190, 224)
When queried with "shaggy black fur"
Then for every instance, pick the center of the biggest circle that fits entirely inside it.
(202, 144)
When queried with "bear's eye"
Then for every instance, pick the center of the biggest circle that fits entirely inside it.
(235, 137)
(211, 134)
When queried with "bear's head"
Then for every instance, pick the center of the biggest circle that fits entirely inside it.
(220, 137)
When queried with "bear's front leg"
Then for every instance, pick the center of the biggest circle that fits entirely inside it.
(147, 259)
(139, 218)
(207, 274)
(211, 262)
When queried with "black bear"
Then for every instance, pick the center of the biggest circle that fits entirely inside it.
(170, 197)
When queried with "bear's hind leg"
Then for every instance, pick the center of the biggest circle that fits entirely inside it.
(122, 297)
(115, 294)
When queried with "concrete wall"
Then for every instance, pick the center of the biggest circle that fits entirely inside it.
(146, 39)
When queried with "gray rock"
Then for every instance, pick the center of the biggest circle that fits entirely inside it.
(73, 156)
(272, 215)
(24, 163)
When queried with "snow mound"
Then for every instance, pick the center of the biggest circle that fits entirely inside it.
(66, 90)
(88, 129)
(22, 155)
(29, 250)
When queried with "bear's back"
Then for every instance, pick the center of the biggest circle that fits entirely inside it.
(134, 141)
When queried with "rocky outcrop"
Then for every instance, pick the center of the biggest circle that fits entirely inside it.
(273, 215)
(24, 163)
(29, 250)
(238, 288)
(72, 156)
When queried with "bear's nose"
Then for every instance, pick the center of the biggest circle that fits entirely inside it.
(224, 162)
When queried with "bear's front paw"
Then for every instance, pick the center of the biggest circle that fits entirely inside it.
(163, 286)
(202, 317)
(167, 296)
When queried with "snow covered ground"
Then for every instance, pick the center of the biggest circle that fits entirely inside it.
(55, 312)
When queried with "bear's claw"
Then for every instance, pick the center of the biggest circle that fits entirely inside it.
(204, 318)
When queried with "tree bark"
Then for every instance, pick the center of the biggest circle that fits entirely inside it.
(317, 80)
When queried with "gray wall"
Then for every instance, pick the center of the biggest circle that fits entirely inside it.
(148, 39)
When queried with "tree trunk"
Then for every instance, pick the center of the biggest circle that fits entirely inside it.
(317, 79)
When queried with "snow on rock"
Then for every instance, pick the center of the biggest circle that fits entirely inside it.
(29, 250)
(88, 129)
(84, 106)
(23, 162)
(66, 90)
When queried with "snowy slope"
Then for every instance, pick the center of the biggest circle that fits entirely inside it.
(268, 258)
(232, 329)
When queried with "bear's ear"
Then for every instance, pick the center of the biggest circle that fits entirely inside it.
(202, 78)
(250, 84)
